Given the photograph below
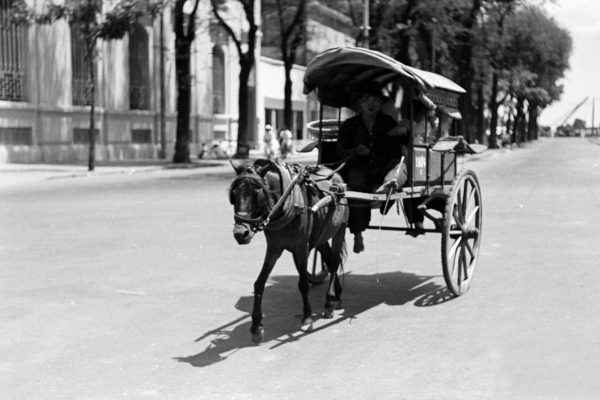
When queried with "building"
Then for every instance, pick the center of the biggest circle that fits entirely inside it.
(45, 101)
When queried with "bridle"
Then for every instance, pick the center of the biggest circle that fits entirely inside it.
(260, 223)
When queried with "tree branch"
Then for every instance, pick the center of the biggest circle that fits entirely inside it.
(226, 26)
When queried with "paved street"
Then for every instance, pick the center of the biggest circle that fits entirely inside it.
(128, 284)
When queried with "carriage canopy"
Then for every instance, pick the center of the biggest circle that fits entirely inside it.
(338, 74)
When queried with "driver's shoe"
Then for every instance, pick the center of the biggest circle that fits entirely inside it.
(359, 245)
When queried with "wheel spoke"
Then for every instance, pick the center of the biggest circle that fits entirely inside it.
(472, 215)
(458, 208)
(464, 262)
(470, 249)
(457, 263)
(465, 194)
(472, 195)
(457, 217)
(452, 252)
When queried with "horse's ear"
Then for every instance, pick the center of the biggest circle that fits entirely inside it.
(238, 167)
(262, 166)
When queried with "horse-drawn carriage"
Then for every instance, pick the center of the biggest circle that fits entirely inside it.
(305, 208)
(449, 198)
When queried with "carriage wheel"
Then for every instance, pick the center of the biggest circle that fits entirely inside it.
(461, 232)
(317, 268)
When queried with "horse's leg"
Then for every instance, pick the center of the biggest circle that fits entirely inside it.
(336, 256)
(271, 258)
(301, 261)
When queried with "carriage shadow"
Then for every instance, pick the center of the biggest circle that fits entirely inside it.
(282, 309)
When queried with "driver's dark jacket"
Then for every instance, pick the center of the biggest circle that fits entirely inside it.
(386, 151)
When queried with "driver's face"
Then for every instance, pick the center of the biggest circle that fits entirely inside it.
(370, 103)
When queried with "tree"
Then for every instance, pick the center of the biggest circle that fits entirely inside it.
(291, 20)
(538, 51)
(86, 16)
(246, 61)
(494, 43)
(185, 32)
(464, 60)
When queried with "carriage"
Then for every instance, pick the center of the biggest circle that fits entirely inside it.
(304, 209)
(447, 198)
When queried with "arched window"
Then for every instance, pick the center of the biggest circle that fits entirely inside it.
(139, 69)
(218, 75)
(82, 94)
(12, 55)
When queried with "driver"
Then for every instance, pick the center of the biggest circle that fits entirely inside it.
(372, 142)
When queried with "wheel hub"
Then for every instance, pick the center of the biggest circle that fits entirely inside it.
(470, 232)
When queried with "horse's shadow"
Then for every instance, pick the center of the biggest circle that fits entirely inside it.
(282, 304)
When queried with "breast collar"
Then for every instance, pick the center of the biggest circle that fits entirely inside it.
(291, 204)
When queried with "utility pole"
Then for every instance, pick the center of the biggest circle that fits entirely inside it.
(366, 26)
(162, 154)
(433, 39)
(593, 110)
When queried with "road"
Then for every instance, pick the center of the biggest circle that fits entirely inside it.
(131, 286)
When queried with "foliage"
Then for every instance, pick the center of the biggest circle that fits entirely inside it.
(246, 60)
(289, 16)
(538, 44)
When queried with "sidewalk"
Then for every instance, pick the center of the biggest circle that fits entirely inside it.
(18, 174)
(21, 173)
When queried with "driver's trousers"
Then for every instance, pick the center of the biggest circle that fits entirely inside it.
(364, 177)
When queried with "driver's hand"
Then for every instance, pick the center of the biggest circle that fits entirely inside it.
(363, 150)
(398, 131)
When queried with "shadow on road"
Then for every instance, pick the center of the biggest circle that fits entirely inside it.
(282, 300)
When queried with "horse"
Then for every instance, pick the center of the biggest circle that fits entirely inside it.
(283, 201)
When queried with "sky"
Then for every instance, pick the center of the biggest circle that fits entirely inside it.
(582, 19)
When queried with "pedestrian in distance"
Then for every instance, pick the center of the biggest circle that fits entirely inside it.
(268, 142)
(285, 142)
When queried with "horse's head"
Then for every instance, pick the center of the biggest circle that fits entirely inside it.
(251, 199)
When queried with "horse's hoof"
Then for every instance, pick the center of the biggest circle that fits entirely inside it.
(328, 313)
(307, 325)
(258, 336)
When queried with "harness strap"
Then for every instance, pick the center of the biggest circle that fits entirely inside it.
(343, 163)
(280, 202)
(330, 210)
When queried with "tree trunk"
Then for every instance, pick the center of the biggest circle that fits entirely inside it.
(532, 125)
(403, 54)
(182, 67)
(480, 134)
(518, 126)
(493, 105)
(287, 96)
(92, 86)
(243, 142)
(466, 70)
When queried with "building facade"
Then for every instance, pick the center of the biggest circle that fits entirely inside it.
(45, 99)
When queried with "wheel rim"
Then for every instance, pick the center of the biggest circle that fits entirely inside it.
(461, 235)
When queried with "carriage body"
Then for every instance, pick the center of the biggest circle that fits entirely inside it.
(450, 198)
(336, 76)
